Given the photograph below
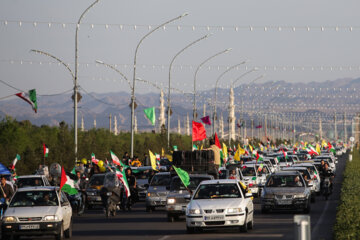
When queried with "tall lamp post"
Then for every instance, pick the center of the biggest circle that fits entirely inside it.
(134, 78)
(169, 90)
(216, 86)
(195, 77)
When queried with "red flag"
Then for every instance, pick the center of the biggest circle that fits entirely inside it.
(198, 131)
(259, 126)
(206, 120)
(217, 142)
(63, 178)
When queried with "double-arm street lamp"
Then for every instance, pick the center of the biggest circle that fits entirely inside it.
(195, 77)
(169, 90)
(73, 74)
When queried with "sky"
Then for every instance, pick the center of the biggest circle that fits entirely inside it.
(294, 41)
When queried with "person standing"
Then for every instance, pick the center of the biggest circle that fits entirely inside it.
(132, 185)
(216, 151)
(6, 192)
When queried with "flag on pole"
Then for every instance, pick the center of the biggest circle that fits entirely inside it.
(122, 177)
(46, 150)
(318, 149)
(93, 159)
(17, 158)
(198, 131)
(152, 160)
(150, 114)
(67, 184)
(115, 159)
(237, 155)
(331, 149)
(183, 175)
(225, 152)
(206, 120)
(217, 142)
(29, 98)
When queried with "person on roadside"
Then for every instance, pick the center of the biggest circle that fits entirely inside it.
(216, 162)
(6, 192)
(136, 162)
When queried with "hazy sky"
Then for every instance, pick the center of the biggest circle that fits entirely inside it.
(112, 29)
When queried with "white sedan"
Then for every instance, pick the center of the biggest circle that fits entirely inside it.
(37, 211)
(220, 203)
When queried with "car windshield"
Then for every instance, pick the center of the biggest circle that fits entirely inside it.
(97, 180)
(161, 180)
(142, 174)
(176, 183)
(214, 191)
(29, 182)
(34, 198)
(248, 171)
(285, 181)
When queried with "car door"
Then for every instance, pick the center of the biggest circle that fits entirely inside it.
(66, 210)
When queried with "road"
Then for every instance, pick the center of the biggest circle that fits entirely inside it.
(139, 224)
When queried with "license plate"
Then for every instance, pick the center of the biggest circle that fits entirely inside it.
(29, 227)
(214, 218)
(284, 202)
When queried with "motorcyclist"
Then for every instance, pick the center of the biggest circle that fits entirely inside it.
(80, 186)
(327, 173)
(132, 185)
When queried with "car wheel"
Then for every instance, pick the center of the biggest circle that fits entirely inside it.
(308, 208)
(190, 230)
(68, 232)
(60, 235)
(244, 228)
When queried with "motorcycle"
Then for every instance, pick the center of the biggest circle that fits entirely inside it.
(77, 202)
(326, 188)
(111, 194)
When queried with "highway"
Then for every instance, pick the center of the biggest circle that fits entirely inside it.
(139, 224)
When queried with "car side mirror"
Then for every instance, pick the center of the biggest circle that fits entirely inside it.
(248, 195)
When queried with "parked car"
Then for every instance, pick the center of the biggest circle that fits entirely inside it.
(37, 211)
(286, 190)
(220, 203)
(179, 196)
(158, 190)
(32, 181)
(93, 196)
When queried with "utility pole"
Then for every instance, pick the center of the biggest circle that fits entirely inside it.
(345, 130)
(252, 129)
(320, 128)
(335, 128)
(110, 122)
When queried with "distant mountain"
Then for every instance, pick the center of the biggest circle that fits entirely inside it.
(286, 95)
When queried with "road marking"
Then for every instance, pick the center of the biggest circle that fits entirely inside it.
(321, 218)
(164, 237)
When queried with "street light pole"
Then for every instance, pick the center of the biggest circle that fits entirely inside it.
(169, 90)
(216, 85)
(134, 79)
(76, 77)
(195, 76)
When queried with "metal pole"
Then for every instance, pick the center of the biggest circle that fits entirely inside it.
(134, 78)
(76, 78)
(195, 76)
(170, 67)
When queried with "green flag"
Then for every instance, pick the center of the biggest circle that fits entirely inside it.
(183, 175)
(150, 114)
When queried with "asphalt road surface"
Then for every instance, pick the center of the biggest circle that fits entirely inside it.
(139, 224)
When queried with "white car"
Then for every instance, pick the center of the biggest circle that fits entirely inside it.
(32, 181)
(37, 211)
(220, 203)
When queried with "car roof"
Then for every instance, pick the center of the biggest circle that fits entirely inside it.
(293, 168)
(31, 176)
(40, 188)
(307, 164)
(198, 175)
(219, 181)
(163, 173)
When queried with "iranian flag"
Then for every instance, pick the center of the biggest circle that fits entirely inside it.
(17, 158)
(331, 149)
(122, 178)
(311, 150)
(67, 184)
(29, 98)
(93, 159)
(115, 159)
(257, 156)
(46, 150)
(284, 153)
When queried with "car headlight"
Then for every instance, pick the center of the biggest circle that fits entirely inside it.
(234, 210)
(91, 193)
(108, 193)
(151, 194)
(194, 211)
(171, 200)
(299, 196)
(51, 218)
(9, 219)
